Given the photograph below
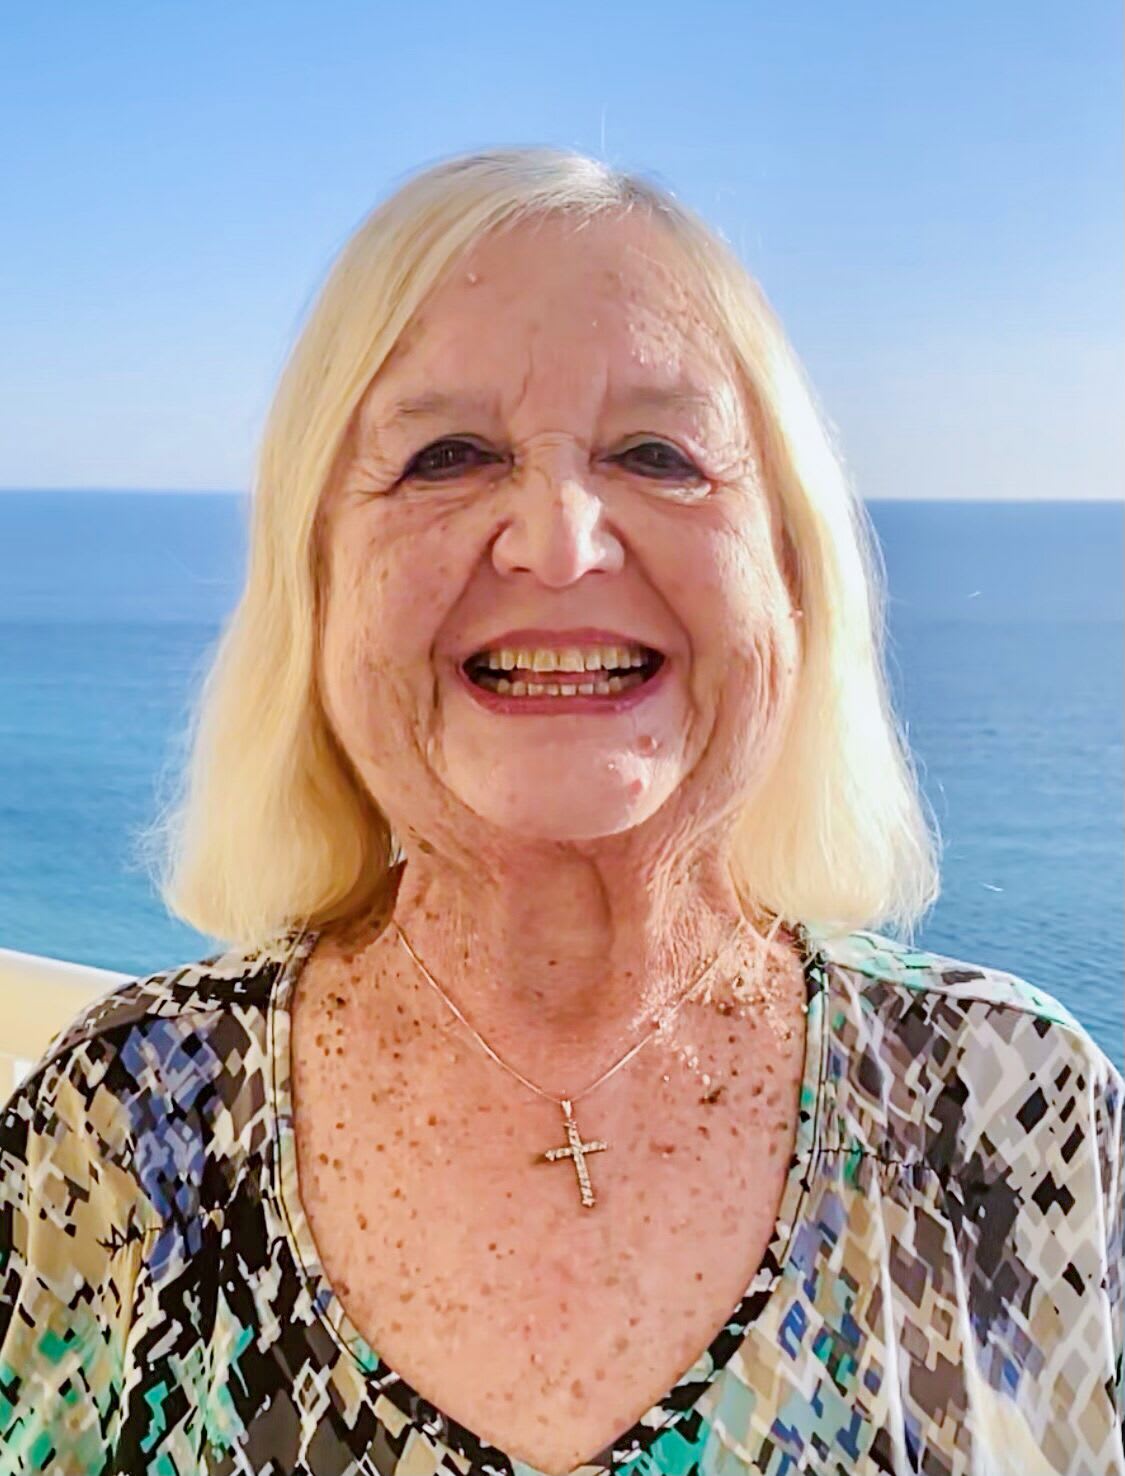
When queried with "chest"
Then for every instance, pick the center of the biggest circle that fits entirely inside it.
(469, 1263)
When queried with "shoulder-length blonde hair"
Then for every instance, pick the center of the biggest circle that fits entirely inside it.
(270, 827)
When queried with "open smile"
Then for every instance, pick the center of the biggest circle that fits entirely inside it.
(538, 692)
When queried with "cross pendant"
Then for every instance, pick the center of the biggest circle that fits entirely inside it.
(577, 1150)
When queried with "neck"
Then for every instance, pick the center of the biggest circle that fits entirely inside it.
(554, 967)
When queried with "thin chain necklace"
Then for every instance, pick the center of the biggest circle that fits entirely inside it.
(575, 1148)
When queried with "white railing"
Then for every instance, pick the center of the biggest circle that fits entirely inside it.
(38, 996)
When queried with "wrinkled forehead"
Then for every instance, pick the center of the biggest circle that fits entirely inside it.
(624, 262)
(615, 297)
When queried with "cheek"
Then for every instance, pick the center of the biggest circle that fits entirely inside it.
(765, 671)
(355, 654)
(377, 647)
(350, 672)
(402, 562)
(737, 614)
(728, 589)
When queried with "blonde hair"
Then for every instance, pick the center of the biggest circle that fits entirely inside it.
(270, 827)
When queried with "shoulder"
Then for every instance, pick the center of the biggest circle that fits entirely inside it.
(892, 999)
(983, 1125)
(937, 1058)
(169, 1004)
(148, 1101)
(155, 1077)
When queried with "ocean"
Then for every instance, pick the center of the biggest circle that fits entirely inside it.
(1006, 657)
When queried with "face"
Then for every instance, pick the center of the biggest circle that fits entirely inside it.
(590, 464)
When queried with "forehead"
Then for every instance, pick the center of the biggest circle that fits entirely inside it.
(614, 294)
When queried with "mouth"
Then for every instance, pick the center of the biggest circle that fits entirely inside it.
(522, 684)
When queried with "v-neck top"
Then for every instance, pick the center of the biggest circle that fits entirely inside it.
(942, 1291)
(681, 1401)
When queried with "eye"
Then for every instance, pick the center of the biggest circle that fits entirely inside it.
(434, 459)
(678, 464)
(446, 456)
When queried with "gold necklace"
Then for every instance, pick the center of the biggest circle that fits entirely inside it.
(574, 1148)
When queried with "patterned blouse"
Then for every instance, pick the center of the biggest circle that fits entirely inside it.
(943, 1292)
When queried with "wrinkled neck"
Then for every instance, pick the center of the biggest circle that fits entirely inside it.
(563, 976)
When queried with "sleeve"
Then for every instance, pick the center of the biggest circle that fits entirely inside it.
(70, 1248)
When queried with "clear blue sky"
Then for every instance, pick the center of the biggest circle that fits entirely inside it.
(929, 192)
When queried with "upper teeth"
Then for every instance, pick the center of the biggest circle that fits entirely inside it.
(569, 658)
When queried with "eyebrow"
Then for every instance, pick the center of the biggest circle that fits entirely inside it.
(436, 403)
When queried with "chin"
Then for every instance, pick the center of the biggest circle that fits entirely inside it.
(562, 819)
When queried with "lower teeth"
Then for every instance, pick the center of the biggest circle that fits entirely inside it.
(562, 689)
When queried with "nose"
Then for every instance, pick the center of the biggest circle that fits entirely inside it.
(556, 525)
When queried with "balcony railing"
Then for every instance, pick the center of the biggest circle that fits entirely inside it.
(38, 996)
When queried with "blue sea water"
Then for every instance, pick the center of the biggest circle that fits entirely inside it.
(1006, 656)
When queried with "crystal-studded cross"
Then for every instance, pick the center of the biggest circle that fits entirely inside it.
(577, 1150)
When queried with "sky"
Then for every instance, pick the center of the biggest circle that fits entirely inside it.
(930, 195)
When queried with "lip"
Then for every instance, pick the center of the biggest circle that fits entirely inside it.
(534, 706)
(586, 635)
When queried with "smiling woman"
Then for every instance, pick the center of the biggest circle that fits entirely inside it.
(525, 495)
(554, 1106)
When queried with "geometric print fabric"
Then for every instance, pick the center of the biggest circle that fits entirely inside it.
(943, 1292)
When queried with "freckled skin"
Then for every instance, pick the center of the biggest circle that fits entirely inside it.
(559, 916)
(646, 1301)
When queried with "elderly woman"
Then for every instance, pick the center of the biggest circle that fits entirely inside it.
(555, 1107)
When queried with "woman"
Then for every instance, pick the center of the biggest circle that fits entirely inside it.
(555, 1107)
